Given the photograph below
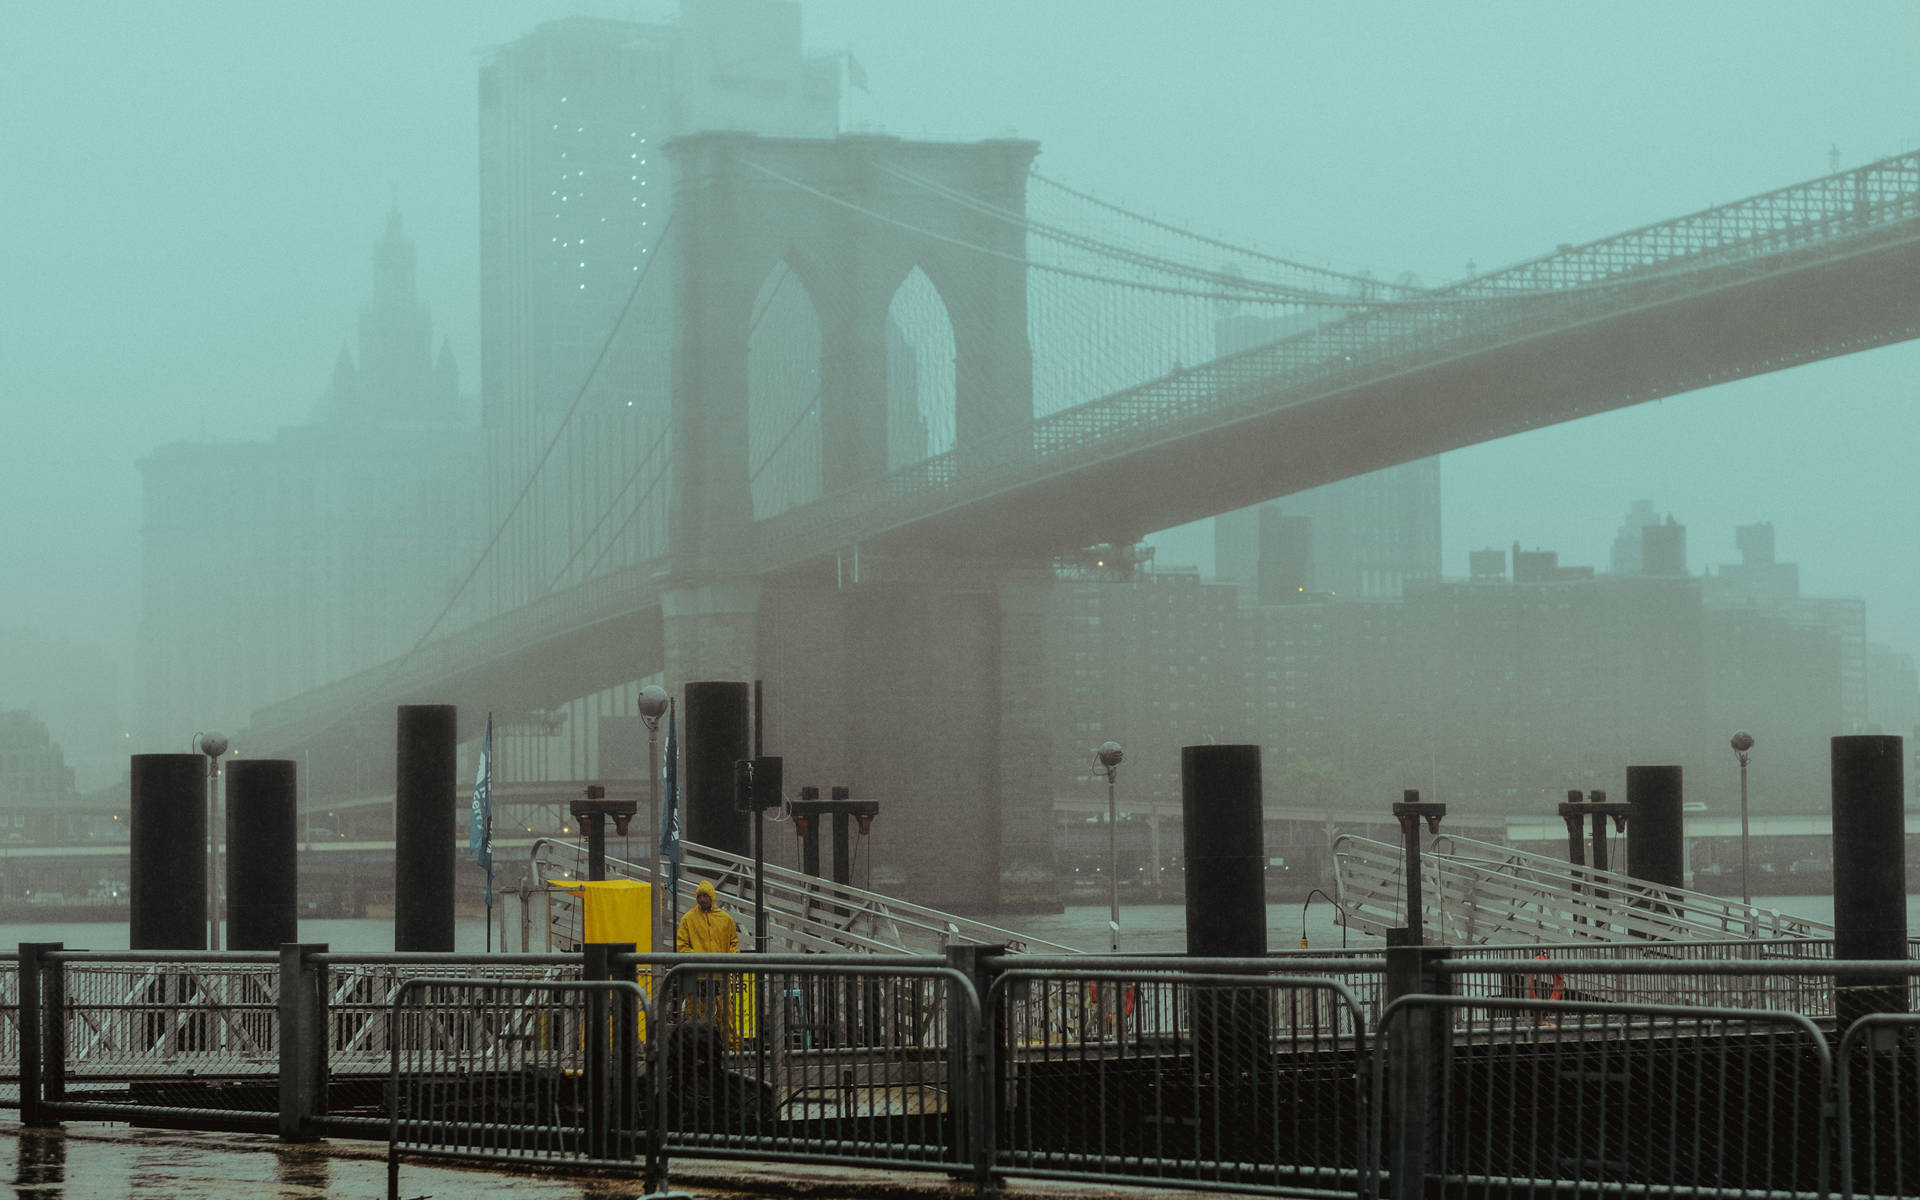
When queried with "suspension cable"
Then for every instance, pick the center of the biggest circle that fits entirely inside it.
(1304, 298)
(1139, 258)
(533, 475)
(608, 511)
(1216, 243)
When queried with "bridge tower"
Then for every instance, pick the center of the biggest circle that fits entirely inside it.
(916, 681)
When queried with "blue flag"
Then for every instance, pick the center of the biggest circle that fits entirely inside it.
(480, 819)
(670, 807)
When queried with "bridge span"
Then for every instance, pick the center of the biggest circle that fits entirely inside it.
(928, 579)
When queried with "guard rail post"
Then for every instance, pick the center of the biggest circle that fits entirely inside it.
(1416, 1062)
(611, 1074)
(303, 1039)
(33, 1032)
(972, 1098)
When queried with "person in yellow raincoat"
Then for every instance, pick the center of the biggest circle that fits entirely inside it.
(707, 929)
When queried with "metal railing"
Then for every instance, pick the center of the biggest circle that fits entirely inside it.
(1367, 1076)
(516, 1070)
(805, 913)
(1477, 892)
(1170, 1072)
(1506, 1096)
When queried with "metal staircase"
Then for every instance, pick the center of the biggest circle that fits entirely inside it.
(1477, 893)
(805, 914)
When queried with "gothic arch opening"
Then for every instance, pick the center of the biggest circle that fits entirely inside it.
(783, 395)
(920, 373)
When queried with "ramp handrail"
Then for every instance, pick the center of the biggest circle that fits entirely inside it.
(1479, 893)
(805, 914)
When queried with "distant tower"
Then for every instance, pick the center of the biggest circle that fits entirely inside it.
(1625, 559)
(1663, 549)
(397, 378)
(1286, 556)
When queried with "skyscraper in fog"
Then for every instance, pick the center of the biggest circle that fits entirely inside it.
(575, 195)
(274, 567)
(1370, 534)
(576, 199)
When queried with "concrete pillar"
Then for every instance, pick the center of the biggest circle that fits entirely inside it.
(711, 504)
(1869, 871)
(711, 631)
(1023, 743)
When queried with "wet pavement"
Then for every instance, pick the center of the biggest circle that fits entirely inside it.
(111, 1162)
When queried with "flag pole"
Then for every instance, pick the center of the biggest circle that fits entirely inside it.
(486, 753)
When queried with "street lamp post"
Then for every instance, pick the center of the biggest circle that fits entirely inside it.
(213, 745)
(1742, 744)
(1109, 755)
(654, 703)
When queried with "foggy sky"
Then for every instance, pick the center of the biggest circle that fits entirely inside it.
(192, 192)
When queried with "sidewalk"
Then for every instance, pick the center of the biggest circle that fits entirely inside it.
(89, 1161)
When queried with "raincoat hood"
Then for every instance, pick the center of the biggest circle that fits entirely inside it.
(706, 887)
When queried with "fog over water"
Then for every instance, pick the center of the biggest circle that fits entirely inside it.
(192, 191)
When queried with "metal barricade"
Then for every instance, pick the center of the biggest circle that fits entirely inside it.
(1878, 1081)
(529, 1071)
(360, 990)
(9, 1029)
(1510, 1096)
(1211, 1078)
(856, 1062)
(146, 1035)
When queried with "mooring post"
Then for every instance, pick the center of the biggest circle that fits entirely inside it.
(1869, 872)
(303, 1038)
(1410, 812)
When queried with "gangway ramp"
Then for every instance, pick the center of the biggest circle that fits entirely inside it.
(1479, 893)
(805, 913)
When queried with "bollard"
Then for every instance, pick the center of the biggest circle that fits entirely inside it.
(716, 738)
(1656, 835)
(167, 872)
(424, 789)
(1220, 805)
(1869, 879)
(263, 867)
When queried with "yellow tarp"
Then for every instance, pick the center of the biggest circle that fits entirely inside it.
(617, 910)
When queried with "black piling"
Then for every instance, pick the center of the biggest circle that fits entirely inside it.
(423, 802)
(716, 738)
(263, 888)
(1656, 832)
(1869, 865)
(167, 872)
(1225, 848)
(1225, 844)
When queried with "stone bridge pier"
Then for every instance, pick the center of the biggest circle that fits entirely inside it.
(923, 689)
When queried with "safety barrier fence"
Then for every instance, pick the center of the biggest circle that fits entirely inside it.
(1418, 1071)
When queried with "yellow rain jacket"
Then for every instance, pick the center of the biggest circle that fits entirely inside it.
(707, 932)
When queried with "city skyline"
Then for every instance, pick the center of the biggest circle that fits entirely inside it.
(225, 301)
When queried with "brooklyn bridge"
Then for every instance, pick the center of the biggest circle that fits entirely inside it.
(777, 513)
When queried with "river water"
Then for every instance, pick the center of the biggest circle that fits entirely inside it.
(1144, 928)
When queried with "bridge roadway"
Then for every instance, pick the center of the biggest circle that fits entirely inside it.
(1820, 269)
